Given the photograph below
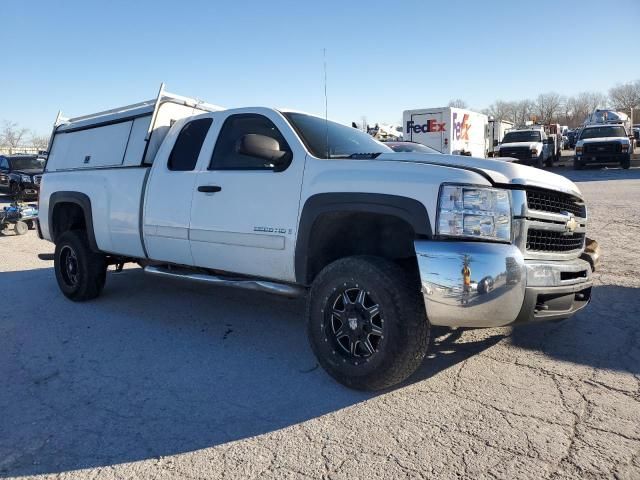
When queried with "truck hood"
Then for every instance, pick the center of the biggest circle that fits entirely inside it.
(28, 171)
(605, 139)
(520, 144)
(499, 172)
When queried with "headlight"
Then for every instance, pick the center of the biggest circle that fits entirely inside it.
(25, 178)
(474, 212)
(578, 149)
(625, 147)
(534, 152)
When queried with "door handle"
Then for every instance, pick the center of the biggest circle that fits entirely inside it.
(209, 188)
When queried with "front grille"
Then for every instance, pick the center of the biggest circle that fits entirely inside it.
(550, 241)
(555, 202)
(603, 147)
(516, 152)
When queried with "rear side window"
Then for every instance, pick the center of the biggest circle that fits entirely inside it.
(226, 155)
(187, 147)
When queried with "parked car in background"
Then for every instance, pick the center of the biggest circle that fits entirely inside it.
(410, 147)
(572, 137)
(20, 175)
(530, 146)
(602, 143)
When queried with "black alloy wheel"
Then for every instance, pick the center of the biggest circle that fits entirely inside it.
(355, 324)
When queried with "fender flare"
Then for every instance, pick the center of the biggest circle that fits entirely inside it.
(84, 202)
(408, 209)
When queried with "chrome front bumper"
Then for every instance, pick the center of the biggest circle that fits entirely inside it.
(503, 287)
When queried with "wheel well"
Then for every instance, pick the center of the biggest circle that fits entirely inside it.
(336, 235)
(66, 216)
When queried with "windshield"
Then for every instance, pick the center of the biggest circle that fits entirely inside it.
(411, 147)
(27, 163)
(343, 141)
(604, 131)
(523, 136)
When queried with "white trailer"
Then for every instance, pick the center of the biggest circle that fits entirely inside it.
(449, 130)
(495, 133)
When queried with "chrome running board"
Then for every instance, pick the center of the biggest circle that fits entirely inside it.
(283, 289)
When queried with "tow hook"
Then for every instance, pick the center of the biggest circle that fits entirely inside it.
(541, 306)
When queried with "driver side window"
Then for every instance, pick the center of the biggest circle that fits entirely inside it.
(226, 155)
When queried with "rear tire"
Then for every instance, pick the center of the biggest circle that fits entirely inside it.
(366, 322)
(80, 272)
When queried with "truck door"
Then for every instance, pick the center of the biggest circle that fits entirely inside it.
(429, 129)
(169, 192)
(244, 212)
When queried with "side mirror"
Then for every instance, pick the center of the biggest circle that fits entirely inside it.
(266, 148)
(496, 143)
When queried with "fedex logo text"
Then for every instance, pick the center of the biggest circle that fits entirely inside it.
(431, 126)
(461, 128)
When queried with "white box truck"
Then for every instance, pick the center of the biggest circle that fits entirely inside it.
(495, 133)
(449, 130)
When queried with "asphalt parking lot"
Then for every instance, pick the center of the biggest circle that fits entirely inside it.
(163, 379)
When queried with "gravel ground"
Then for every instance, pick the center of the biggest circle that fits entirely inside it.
(163, 379)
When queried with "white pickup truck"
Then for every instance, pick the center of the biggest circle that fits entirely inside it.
(383, 244)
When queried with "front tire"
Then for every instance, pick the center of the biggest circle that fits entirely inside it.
(626, 163)
(21, 228)
(80, 272)
(366, 322)
(549, 161)
(14, 190)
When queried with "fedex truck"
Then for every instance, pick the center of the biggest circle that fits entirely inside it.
(449, 130)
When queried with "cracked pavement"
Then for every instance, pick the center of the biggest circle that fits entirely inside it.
(163, 379)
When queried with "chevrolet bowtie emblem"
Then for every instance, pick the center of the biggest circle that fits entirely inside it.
(571, 225)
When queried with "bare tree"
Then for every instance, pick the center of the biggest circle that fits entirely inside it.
(458, 103)
(625, 96)
(547, 106)
(41, 142)
(501, 110)
(522, 111)
(11, 134)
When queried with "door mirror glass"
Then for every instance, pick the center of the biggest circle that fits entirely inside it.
(495, 143)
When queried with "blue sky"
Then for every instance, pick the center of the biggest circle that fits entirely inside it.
(382, 57)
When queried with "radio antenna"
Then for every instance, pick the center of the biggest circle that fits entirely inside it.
(326, 114)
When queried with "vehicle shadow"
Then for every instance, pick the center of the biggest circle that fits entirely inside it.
(605, 335)
(597, 173)
(156, 367)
